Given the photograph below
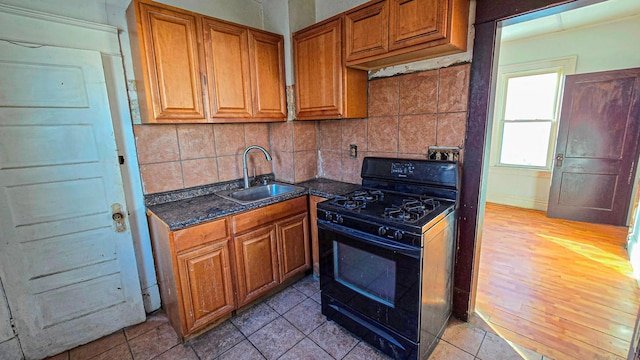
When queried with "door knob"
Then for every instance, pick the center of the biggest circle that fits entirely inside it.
(559, 159)
(118, 217)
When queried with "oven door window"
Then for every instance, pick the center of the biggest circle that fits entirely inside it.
(368, 274)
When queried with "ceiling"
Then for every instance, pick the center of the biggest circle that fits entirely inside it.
(584, 16)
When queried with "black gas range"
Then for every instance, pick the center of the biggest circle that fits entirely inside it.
(386, 254)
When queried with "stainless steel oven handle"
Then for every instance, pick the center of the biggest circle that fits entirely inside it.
(368, 238)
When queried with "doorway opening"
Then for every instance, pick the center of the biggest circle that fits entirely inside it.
(549, 284)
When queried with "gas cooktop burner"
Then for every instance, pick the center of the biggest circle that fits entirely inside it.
(411, 210)
(358, 199)
(348, 203)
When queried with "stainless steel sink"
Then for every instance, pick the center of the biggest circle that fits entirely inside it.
(257, 193)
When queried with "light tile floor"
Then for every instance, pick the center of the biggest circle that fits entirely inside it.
(287, 326)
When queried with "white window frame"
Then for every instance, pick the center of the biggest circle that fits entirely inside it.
(563, 66)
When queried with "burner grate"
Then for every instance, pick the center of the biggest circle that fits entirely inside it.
(411, 210)
(358, 199)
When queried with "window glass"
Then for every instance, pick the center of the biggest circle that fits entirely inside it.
(525, 143)
(531, 97)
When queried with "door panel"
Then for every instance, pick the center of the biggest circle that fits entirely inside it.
(293, 237)
(171, 43)
(367, 31)
(413, 22)
(597, 147)
(205, 278)
(69, 277)
(256, 263)
(227, 54)
(267, 75)
(318, 71)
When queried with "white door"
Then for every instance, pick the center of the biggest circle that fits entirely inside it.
(69, 276)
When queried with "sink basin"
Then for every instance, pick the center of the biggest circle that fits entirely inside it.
(257, 193)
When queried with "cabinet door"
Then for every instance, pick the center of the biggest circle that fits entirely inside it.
(266, 53)
(173, 65)
(318, 70)
(367, 31)
(206, 284)
(256, 263)
(293, 245)
(413, 22)
(228, 74)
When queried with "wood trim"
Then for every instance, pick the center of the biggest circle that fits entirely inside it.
(313, 212)
(488, 13)
(171, 295)
(251, 219)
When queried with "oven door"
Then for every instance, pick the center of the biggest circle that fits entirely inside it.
(372, 276)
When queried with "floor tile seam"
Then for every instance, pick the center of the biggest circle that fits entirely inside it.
(100, 353)
(352, 349)
(349, 332)
(244, 337)
(130, 350)
(459, 348)
(518, 344)
(263, 326)
(194, 350)
(175, 346)
(299, 341)
(301, 330)
(256, 347)
(137, 336)
(272, 308)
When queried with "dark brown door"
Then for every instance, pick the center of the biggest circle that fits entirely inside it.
(597, 147)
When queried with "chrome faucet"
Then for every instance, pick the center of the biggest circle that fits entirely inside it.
(245, 171)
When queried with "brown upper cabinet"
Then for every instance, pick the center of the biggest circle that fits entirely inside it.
(198, 69)
(389, 32)
(325, 87)
(169, 63)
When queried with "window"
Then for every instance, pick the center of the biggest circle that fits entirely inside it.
(527, 111)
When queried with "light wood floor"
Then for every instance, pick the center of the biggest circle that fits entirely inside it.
(562, 288)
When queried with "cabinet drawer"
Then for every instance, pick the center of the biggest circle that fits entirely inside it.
(268, 214)
(200, 234)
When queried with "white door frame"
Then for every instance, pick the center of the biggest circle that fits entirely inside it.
(29, 26)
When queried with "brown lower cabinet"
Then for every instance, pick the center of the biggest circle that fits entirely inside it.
(271, 246)
(208, 270)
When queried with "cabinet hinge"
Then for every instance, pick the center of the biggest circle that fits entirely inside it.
(631, 173)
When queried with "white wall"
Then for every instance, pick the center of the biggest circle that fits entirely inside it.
(245, 12)
(606, 46)
(327, 8)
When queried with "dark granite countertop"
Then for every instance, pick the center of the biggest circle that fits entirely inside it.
(328, 188)
(179, 210)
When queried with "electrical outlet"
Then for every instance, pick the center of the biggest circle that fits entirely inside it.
(444, 153)
(353, 150)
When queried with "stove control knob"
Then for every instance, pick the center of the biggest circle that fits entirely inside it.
(397, 235)
(382, 231)
(339, 219)
(328, 216)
